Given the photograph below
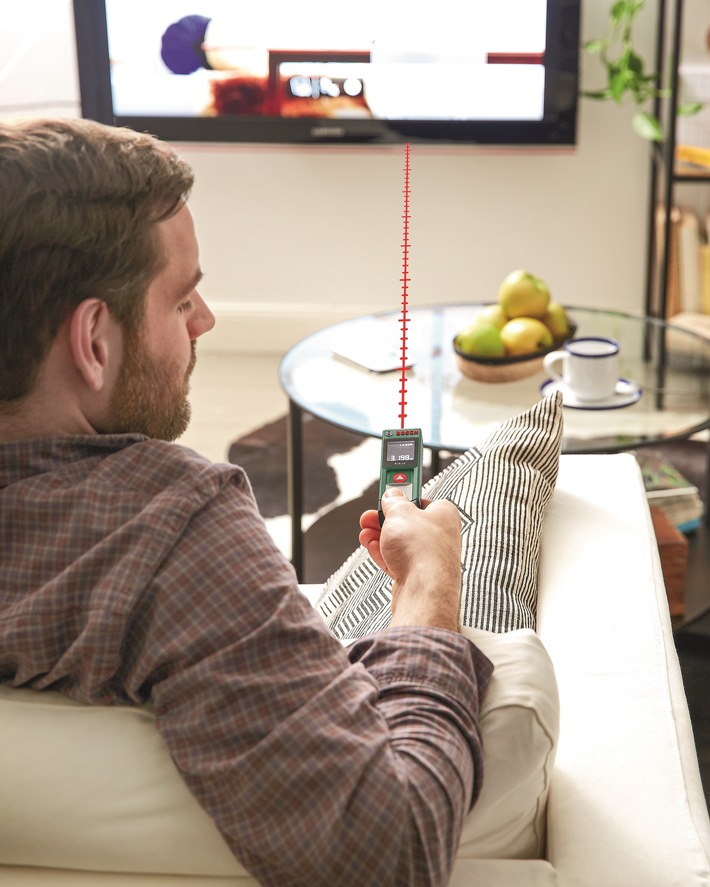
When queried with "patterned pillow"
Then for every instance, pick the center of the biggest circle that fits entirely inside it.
(501, 488)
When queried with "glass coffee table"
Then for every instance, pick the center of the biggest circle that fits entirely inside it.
(322, 375)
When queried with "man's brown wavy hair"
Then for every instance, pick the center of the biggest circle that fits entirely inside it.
(79, 202)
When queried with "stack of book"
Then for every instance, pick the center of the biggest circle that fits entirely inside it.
(692, 160)
(688, 261)
(669, 490)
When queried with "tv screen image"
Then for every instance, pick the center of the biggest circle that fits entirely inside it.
(276, 71)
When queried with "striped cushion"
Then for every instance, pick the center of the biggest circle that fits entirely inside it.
(501, 487)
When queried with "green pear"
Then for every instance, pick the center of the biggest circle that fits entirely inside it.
(523, 295)
(481, 340)
(525, 335)
(492, 315)
(556, 321)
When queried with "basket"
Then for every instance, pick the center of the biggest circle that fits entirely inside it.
(506, 369)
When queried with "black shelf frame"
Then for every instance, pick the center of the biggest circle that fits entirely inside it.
(663, 175)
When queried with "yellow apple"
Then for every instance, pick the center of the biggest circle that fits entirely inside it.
(481, 340)
(523, 295)
(493, 315)
(556, 321)
(525, 335)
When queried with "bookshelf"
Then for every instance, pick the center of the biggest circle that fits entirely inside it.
(664, 172)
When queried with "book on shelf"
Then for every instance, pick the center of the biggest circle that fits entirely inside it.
(692, 160)
(694, 323)
(688, 290)
(668, 489)
(673, 295)
(705, 275)
(689, 244)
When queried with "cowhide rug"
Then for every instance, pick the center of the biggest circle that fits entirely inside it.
(340, 482)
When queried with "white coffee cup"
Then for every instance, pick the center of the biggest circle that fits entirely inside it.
(590, 367)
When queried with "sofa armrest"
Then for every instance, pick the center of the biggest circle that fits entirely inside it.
(626, 804)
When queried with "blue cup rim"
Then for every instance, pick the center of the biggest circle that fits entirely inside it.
(569, 346)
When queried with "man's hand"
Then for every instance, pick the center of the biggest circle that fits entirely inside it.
(421, 550)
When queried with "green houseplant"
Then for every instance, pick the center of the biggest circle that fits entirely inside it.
(627, 76)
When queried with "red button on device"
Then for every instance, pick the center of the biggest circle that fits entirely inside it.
(400, 478)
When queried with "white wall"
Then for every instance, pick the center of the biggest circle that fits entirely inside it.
(294, 238)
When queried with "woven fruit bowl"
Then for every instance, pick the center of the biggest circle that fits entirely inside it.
(505, 369)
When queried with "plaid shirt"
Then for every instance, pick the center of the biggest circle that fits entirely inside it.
(134, 571)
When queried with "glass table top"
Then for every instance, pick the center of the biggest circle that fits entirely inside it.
(671, 365)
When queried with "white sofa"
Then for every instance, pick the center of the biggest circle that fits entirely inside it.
(625, 806)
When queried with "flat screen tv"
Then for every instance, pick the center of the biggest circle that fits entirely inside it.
(365, 71)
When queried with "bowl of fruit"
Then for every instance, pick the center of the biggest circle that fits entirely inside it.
(508, 339)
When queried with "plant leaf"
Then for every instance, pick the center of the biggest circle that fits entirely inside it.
(690, 108)
(633, 62)
(647, 126)
(619, 11)
(595, 46)
(618, 83)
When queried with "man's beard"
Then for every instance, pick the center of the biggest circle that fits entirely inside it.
(150, 398)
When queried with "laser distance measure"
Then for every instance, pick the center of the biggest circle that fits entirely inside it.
(401, 464)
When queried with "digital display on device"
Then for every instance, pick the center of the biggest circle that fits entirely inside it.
(401, 464)
(400, 451)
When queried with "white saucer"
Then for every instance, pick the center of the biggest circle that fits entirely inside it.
(627, 392)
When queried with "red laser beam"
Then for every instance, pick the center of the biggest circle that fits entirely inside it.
(404, 320)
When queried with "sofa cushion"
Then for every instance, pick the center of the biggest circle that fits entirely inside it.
(520, 721)
(94, 788)
(501, 488)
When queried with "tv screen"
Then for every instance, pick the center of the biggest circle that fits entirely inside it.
(372, 71)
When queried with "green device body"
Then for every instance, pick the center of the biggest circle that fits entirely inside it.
(401, 464)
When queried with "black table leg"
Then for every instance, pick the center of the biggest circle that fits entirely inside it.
(295, 486)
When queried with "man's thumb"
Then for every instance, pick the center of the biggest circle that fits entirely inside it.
(390, 495)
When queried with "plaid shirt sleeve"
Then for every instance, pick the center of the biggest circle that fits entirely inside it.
(319, 765)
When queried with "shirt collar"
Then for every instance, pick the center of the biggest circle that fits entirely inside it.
(20, 459)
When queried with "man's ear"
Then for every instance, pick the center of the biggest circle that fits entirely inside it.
(95, 341)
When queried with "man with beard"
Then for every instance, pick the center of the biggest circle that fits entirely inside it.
(135, 571)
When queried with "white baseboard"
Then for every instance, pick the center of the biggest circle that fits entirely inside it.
(270, 327)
